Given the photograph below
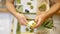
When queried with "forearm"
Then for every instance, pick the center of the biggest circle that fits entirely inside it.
(11, 9)
(54, 9)
(58, 12)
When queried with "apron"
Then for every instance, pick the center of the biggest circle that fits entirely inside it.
(30, 13)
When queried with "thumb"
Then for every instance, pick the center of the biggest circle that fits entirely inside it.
(38, 23)
(36, 19)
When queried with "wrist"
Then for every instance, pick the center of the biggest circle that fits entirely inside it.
(45, 16)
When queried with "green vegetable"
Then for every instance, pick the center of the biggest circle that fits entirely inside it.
(47, 24)
(50, 23)
(28, 3)
(32, 7)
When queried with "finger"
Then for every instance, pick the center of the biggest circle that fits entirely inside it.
(25, 21)
(36, 19)
(22, 21)
(38, 23)
(24, 17)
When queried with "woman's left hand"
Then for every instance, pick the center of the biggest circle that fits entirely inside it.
(39, 20)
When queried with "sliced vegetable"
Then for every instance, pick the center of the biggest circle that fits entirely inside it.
(31, 24)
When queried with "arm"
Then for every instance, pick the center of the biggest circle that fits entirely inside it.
(58, 13)
(42, 17)
(21, 18)
(11, 9)
(53, 10)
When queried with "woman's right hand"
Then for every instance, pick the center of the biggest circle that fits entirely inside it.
(22, 19)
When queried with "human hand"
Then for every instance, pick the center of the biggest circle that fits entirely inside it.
(22, 19)
(39, 20)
